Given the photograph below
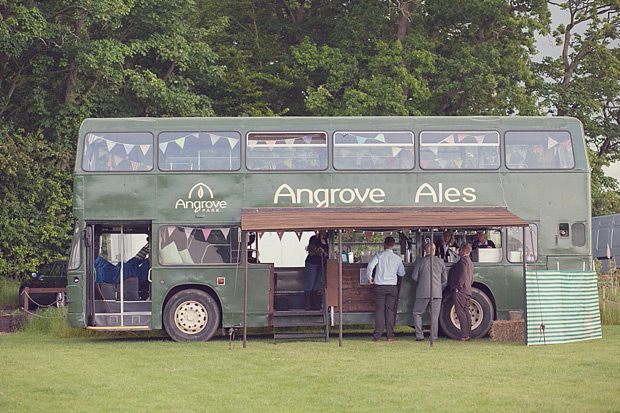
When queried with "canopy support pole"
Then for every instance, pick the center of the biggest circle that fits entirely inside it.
(340, 288)
(430, 339)
(245, 288)
(524, 291)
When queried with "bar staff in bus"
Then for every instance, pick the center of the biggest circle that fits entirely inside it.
(315, 263)
(443, 245)
(388, 267)
(461, 278)
(482, 241)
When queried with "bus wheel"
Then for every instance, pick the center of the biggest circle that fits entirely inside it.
(481, 310)
(191, 315)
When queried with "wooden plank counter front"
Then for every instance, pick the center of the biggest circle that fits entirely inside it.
(355, 297)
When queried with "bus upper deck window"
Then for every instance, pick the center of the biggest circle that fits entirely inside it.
(373, 150)
(459, 150)
(539, 150)
(199, 151)
(118, 151)
(301, 151)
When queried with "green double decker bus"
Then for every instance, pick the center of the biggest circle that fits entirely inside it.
(197, 224)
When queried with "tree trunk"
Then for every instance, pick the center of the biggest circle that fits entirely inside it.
(73, 67)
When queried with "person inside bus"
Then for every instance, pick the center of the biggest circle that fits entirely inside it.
(461, 278)
(443, 246)
(315, 264)
(482, 241)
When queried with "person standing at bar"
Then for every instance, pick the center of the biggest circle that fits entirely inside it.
(422, 271)
(388, 267)
(443, 245)
(461, 279)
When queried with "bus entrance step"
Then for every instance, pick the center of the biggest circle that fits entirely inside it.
(285, 323)
(304, 335)
(297, 313)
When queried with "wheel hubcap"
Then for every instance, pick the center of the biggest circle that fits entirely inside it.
(191, 317)
(475, 311)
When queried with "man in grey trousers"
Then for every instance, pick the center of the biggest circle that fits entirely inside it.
(422, 275)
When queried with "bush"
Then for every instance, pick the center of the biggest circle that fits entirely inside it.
(9, 291)
(609, 297)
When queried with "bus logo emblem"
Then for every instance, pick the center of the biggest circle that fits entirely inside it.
(201, 190)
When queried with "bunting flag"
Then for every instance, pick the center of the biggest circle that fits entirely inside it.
(128, 147)
(459, 163)
(396, 150)
(461, 136)
(260, 234)
(479, 138)
(117, 160)
(307, 139)
(551, 143)
(434, 149)
(288, 163)
(368, 235)
(205, 233)
(233, 142)
(299, 234)
(110, 144)
(135, 165)
(380, 137)
(424, 163)
(348, 232)
(145, 149)
(180, 142)
(443, 164)
(163, 146)
(448, 139)
(170, 231)
(290, 141)
(214, 138)
(188, 232)
(360, 140)
(406, 232)
(280, 234)
(225, 232)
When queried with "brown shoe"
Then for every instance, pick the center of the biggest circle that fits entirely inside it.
(376, 340)
(391, 339)
(463, 339)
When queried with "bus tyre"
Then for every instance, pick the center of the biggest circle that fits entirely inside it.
(481, 310)
(191, 315)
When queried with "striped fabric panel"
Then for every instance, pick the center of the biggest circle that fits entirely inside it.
(566, 302)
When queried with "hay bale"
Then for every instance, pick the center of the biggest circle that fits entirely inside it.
(508, 330)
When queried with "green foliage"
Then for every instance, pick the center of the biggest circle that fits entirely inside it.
(605, 190)
(9, 290)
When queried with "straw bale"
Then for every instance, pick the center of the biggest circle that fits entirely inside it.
(507, 330)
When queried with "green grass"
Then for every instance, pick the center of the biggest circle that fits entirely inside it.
(610, 305)
(40, 370)
(9, 289)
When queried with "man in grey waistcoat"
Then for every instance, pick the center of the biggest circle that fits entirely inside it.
(422, 275)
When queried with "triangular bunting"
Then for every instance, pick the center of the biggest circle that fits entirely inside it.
(288, 163)
(214, 138)
(225, 232)
(128, 147)
(360, 140)
(110, 144)
(459, 163)
(280, 234)
(380, 137)
(551, 143)
(424, 163)
(299, 234)
(479, 139)
(145, 149)
(307, 139)
(180, 142)
(233, 142)
(461, 136)
(205, 233)
(368, 235)
(134, 165)
(434, 149)
(188, 232)
(406, 232)
(396, 150)
(170, 230)
(349, 232)
(260, 234)
(163, 146)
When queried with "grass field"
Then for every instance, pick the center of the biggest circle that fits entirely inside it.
(44, 372)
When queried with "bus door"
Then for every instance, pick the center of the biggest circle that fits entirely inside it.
(118, 275)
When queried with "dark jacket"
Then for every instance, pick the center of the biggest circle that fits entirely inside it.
(461, 275)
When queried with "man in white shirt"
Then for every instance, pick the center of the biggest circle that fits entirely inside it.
(388, 267)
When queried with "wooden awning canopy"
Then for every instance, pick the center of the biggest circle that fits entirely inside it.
(377, 218)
